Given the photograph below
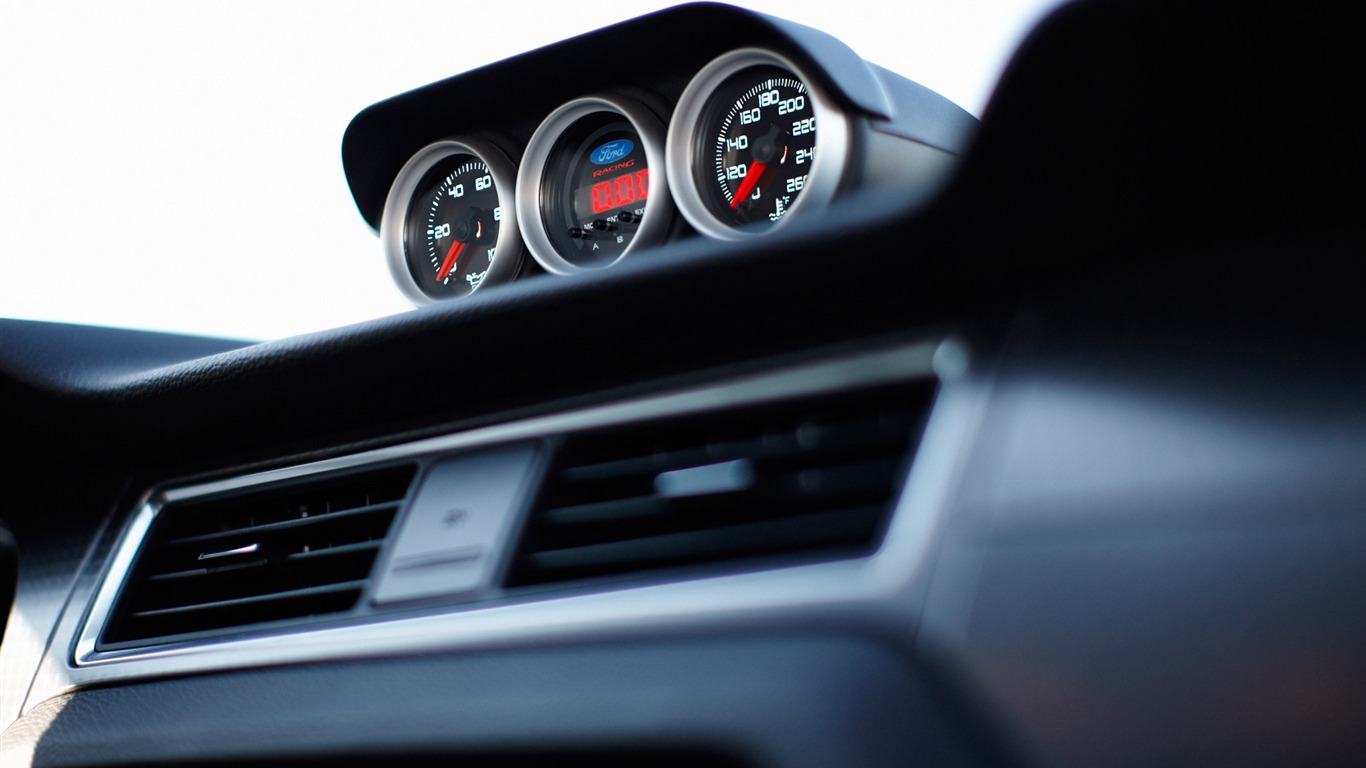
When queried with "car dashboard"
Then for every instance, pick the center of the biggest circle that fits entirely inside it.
(1033, 442)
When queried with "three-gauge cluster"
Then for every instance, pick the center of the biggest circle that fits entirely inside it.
(751, 142)
(602, 177)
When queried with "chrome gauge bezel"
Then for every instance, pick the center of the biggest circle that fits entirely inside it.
(832, 140)
(393, 221)
(531, 178)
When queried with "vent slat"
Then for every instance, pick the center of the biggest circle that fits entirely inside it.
(345, 549)
(665, 460)
(197, 572)
(260, 556)
(843, 479)
(268, 528)
(836, 528)
(803, 440)
(802, 479)
(292, 594)
(606, 511)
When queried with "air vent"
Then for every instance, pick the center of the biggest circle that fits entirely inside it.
(803, 480)
(215, 565)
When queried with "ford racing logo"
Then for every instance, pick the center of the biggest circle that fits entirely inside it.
(612, 151)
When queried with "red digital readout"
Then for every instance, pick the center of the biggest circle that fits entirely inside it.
(621, 191)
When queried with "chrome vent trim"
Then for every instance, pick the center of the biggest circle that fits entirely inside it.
(279, 553)
(883, 586)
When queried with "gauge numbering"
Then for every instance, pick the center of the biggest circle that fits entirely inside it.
(446, 228)
(745, 136)
(454, 229)
(763, 148)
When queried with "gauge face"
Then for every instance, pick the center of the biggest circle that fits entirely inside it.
(449, 226)
(744, 138)
(450, 234)
(592, 187)
(755, 144)
(595, 189)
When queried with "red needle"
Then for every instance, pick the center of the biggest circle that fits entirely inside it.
(756, 169)
(449, 263)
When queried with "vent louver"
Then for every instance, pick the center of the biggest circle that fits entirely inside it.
(215, 565)
(810, 479)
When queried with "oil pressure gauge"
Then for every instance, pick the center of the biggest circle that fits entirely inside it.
(449, 226)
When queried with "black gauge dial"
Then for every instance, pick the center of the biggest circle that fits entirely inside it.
(755, 144)
(450, 234)
(744, 137)
(595, 190)
(449, 226)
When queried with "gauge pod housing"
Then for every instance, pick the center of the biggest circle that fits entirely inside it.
(868, 130)
(593, 185)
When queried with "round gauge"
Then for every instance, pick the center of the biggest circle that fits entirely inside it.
(445, 228)
(592, 186)
(754, 140)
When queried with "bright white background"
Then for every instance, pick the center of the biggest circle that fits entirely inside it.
(176, 166)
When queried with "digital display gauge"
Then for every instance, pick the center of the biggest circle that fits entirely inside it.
(747, 137)
(591, 188)
(445, 229)
(594, 192)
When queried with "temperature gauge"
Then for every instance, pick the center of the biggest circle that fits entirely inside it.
(753, 140)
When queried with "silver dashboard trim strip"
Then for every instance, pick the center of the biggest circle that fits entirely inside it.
(879, 590)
